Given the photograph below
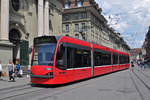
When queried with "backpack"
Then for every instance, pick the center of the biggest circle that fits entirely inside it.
(18, 67)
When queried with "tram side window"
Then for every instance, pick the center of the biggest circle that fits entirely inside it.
(86, 56)
(70, 57)
(82, 58)
(122, 59)
(102, 58)
(61, 61)
(115, 58)
(97, 59)
(77, 58)
(106, 58)
(127, 59)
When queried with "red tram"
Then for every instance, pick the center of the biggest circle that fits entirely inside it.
(60, 60)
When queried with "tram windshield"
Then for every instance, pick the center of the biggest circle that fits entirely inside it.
(44, 54)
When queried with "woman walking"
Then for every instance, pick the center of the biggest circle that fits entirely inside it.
(11, 69)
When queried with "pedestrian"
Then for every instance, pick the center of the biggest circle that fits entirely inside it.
(0, 69)
(142, 64)
(17, 69)
(11, 69)
(132, 65)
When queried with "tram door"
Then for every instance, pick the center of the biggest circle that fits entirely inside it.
(92, 60)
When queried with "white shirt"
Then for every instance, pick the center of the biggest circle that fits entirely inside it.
(1, 67)
(21, 72)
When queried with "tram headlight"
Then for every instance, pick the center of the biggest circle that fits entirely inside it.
(48, 69)
(50, 74)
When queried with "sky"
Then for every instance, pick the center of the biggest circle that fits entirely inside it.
(131, 18)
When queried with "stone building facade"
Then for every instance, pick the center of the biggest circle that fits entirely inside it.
(83, 19)
(146, 46)
(135, 53)
(21, 21)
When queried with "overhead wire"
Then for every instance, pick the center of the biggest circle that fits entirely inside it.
(120, 14)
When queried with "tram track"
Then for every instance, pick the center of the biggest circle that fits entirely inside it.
(15, 89)
(65, 90)
(23, 90)
(20, 94)
(144, 83)
(19, 91)
(136, 87)
(143, 73)
(140, 84)
(52, 92)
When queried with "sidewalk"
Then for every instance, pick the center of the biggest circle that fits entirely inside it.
(4, 82)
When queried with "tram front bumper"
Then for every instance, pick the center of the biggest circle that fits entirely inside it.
(41, 76)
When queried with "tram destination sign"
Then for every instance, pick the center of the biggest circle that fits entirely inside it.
(45, 39)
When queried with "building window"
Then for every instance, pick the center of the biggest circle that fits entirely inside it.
(83, 15)
(83, 27)
(66, 18)
(67, 28)
(76, 28)
(67, 5)
(75, 16)
(79, 4)
(15, 4)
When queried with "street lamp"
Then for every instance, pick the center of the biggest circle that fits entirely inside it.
(82, 34)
